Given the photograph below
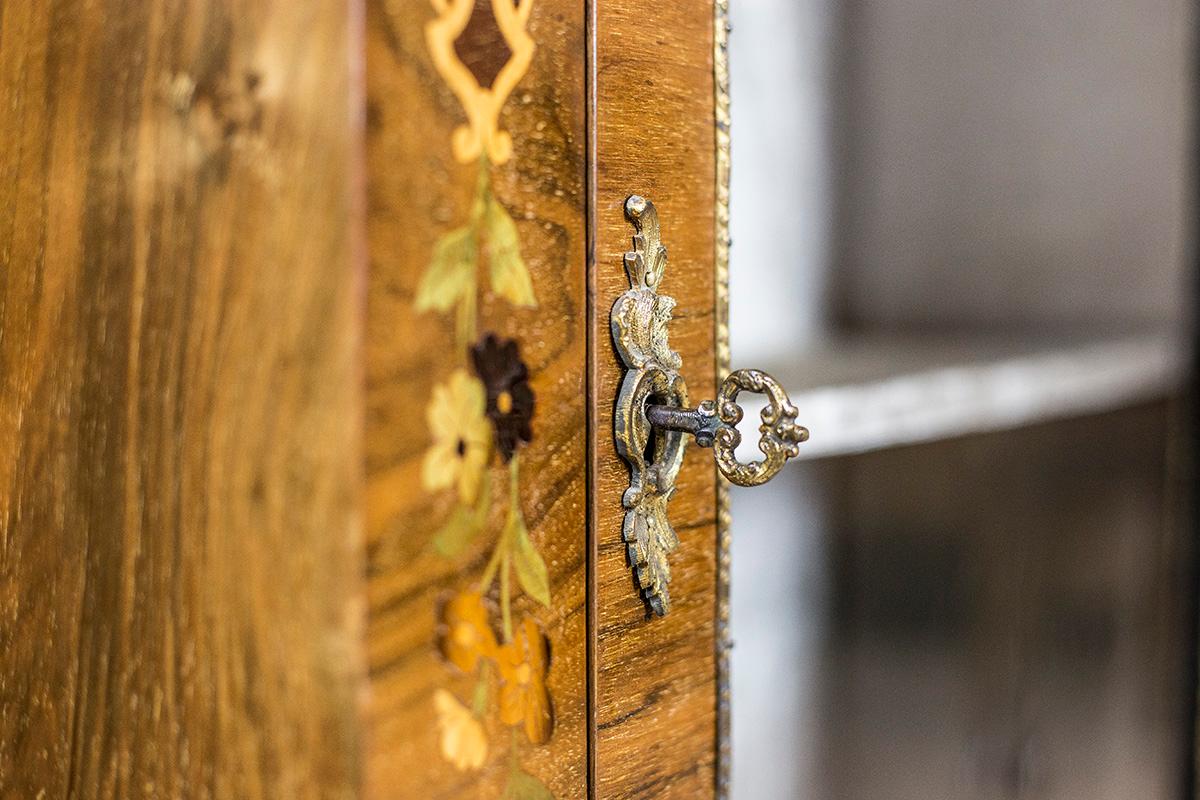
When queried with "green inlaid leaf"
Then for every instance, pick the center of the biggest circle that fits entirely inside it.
(451, 271)
(509, 275)
(523, 786)
(528, 564)
(457, 533)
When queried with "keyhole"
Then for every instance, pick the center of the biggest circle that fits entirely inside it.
(650, 453)
(651, 446)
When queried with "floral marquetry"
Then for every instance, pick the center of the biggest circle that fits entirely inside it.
(480, 416)
(478, 325)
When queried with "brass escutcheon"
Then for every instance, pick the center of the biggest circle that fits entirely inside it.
(652, 414)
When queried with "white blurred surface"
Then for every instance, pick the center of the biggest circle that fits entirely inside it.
(778, 598)
(779, 185)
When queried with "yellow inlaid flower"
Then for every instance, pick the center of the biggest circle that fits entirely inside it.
(466, 635)
(523, 695)
(464, 743)
(461, 437)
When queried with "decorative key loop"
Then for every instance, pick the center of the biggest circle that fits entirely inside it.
(781, 436)
(714, 425)
(652, 413)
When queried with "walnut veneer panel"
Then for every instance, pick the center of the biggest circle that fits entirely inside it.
(419, 191)
(654, 135)
(179, 412)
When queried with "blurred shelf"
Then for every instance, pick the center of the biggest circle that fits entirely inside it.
(871, 392)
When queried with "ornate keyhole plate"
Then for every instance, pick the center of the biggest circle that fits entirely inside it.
(639, 322)
(652, 407)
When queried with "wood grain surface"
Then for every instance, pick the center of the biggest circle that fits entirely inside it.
(180, 410)
(417, 193)
(655, 699)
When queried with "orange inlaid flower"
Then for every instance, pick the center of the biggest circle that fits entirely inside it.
(523, 695)
(466, 635)
(462, 437)
(464, 743)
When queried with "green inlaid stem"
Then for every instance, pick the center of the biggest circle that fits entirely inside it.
(505, 591)
(479, 702)
(489, 572)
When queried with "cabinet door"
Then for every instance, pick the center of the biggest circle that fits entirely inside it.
(656, 678)
(508, 647)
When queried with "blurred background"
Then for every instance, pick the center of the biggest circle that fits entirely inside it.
(963, 238)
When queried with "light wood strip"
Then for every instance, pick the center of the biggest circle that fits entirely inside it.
(180, 592)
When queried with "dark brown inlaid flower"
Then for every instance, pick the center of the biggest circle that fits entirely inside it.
(509, 399)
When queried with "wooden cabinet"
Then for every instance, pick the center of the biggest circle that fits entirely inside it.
(309, 486)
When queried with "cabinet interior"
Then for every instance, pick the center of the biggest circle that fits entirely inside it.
(961, 236)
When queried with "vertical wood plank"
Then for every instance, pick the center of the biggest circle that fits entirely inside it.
(419, 191)
(180, 588)
(654, 136)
